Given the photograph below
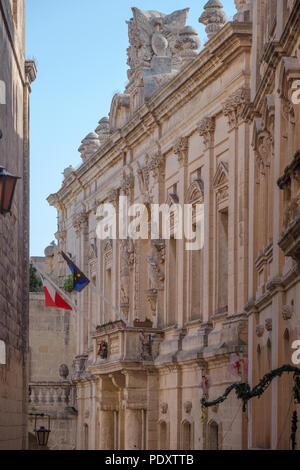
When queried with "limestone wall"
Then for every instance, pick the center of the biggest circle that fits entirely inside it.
(14, 229)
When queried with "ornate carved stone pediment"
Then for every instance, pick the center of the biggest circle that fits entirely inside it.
(220, 182)
(195, 192)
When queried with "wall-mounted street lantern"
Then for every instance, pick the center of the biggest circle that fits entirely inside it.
(42, 434)
(7, 189)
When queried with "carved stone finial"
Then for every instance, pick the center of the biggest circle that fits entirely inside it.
(103, 129)
(188, 44)
(90, 145)
(68, 171)
(244, 11)
(213, 17)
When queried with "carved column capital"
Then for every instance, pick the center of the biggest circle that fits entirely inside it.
(181, 148)
(233, 106)
(156, 165)
(206, 129)
(80, 221)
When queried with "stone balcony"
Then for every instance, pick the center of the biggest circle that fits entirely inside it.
(52, 398)
(289, 240)
(124, 344)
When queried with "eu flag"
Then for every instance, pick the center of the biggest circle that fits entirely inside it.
(80, 280)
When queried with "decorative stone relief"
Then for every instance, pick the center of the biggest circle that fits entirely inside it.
(180, 149)
(234, 105)
(287, 312)
(144, 183)
(113, 196)
(153, 34)
(127, 182)
(152, 297)
(156, 165)
(263, 138)
(260, 330)
(269, 324)
(206, 129)
(213, 17)
(195, 192)
(164, 408)
(221, 184)
(64, 371)
(188, 405)
(155, 262)
(127, 259)
(108, 253)
(80, 220)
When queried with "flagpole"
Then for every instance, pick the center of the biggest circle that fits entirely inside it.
(102, 297)
(98, 292)
(63, 294)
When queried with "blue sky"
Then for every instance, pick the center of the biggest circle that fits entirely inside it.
(80, 50)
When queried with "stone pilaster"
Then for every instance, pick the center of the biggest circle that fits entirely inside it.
(206, 130)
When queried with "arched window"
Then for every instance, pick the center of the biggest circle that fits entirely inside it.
(213, 436)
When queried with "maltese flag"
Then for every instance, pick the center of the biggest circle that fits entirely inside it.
(52, 297)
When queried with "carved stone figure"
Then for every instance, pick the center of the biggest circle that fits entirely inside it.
(155, 263)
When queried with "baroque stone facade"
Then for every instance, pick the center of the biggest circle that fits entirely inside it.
(16, 76)
(216, 128)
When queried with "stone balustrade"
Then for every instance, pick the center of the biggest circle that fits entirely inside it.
(51, 395)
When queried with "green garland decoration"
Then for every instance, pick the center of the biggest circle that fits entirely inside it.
(244, 392)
